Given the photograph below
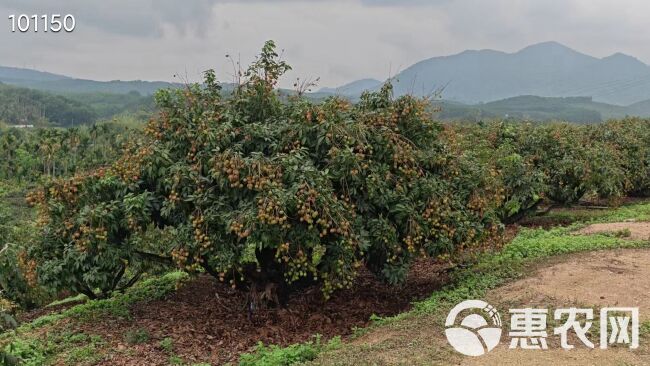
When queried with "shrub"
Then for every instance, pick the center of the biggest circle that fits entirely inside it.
(558, 151)
(631, 139)
(16, 284)
(574, 161)
(276, 356)
(507, 175)
(93, 234)
(264, 190)
(291, 191)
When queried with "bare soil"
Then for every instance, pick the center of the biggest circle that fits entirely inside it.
(208, 321)
(596, 279)
(637, 230)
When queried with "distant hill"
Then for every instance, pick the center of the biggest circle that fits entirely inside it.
(63, 84)
(354, 88)
(572, 109)
(18, 74)
(547, 69)
(34, 107)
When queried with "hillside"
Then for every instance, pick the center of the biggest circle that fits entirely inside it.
(354, 88)
(63, 84)
(572, 109)
(547, 69)
(26, 106)
(34, 107)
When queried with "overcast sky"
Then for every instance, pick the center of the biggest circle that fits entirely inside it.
(336, 40)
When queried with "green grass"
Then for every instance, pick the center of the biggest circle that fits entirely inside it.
(69, 300)
(31, 349)
(569, 216)
(638, 212)
(167, 344)
(284, 356)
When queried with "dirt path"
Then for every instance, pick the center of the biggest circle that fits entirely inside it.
(630, 230)
(596, 280)
(583, 280)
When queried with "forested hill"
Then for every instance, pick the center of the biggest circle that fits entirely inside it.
(34, 107)
(63, 84)
(26, 106)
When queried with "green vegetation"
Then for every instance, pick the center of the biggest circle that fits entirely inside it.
(32, 107)
(581, 110)
(524, 164)
(279, 356)
(257, 191)
(21, 106)
(107, 106)
(26, 345)
(491, 270)
(271, 192)
(28, 155)
(167, 344)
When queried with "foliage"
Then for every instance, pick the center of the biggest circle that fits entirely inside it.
(108, 105)
(260, 190)
(15, 229)
(516, 186)
(520, 164)
(26, 155)
(30, 156)
(26, 106)
(22, 106)
(489, 271)
(309, 191)
(630, 139)
(278, 356)
(84, 215)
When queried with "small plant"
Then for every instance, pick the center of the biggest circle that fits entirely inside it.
(623, 233)
(167, 344)
(176, 360)
(278, 356)
(137, 336)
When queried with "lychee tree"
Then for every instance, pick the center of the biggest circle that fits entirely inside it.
(284, 189)
(260, 188)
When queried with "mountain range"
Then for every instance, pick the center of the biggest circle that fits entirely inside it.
(547, 69)
(46, 81)
(545, 81)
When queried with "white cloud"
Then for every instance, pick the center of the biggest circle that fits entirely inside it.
(338, 40)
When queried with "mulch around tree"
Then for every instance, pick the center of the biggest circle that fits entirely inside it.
(209, 322)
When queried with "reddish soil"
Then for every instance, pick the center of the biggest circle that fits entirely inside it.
(208, 321)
